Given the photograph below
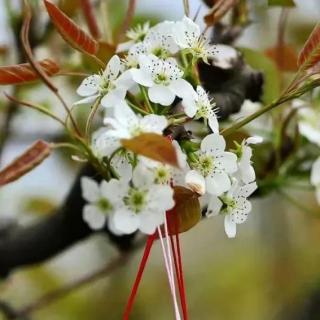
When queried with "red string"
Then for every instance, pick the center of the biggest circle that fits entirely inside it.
(137, 281)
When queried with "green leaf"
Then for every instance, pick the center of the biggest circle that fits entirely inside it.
(259, 61)
(281, 3)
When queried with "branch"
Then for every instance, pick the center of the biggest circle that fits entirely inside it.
(89, 14)
(127, 21)
(26, 245)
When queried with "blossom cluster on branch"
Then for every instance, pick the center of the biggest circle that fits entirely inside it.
(150, 85)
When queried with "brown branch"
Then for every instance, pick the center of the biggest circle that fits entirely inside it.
(127, 21)
(89, 14)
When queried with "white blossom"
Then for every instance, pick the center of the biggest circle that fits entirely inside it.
(202, 107)
(234, 205)
(126, 124)
(110, 85)
(315, 178)
(135, 35)
(101, 199)
(163, 79)
(144, 205)
(187, 35)
(246, 170)
(212, 167)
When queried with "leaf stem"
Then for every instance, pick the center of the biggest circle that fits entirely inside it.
(146, 98)
(92, 113)
(136, 108)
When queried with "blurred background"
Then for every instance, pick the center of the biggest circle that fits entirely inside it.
(269, 271)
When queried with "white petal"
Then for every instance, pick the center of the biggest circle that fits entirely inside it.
(315, 173)
(161, 94)
(213, 144)
(103, 144)
(142, 77)
(122, 166)
(89, 86)
(126, 221)
(114, 190)
(160, 198)
(93, 217)
(240, 213)
(125, 80)
(87, 100)
(230, 227)
(113, 68)
(312, 134)
(90, 189)
(186, 32)
(112, 227)
(196, 182)
(214, 206)
(181, 156)
(189, 107)
(224, 56)
(214, 124)
(142, 178)
(154, 123)
(228, 162)
(182, 89)
(254, 140)
(218, 183)
(150, 221)
(113, 98)
(125, 116)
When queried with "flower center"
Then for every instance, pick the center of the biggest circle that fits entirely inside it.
(229, 204)
(205, 164)
(162, 175)
(136, 130)
(161, 78)
(136, 200)
(104, 205)
(105, 86)
(160, 52)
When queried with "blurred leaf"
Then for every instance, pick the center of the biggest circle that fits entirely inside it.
(285, 57)
(106, 51)
(69, 7)
(310, 53)
(282, 3)
(26, 162)
(39, 205)
(186, 213)
(260, 61)
(21, 73)
(70, 31)
(219, 9)
(153, 146)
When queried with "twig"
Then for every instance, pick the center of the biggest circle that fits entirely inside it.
(127, 21)
(186, 7)
(89, 14)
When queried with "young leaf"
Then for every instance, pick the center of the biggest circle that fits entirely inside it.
(153, 146)
(285, 57)
(281, 3)
(71, 32)
(310, 53)
(217, 12)
(25, 162)
(186, 213)
(21, 73)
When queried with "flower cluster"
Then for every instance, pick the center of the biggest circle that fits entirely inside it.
(150, 86)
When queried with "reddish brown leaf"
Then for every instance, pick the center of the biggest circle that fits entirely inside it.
(285, 57)
(21, 73)
(186, 213)
(71, 32)
(219, 9)
(25, 162)
(153, 146)
(310, 53)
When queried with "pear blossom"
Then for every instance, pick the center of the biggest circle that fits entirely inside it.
(126, 124)
(132, 58)
(144, 205)
(202, 107)
(163, 79)
(187, 35)
(111, 86)
(212, 166)
(246, 170)
(315, 178)
(135, 35)
(234, 205)
(101, 199)
(163, 173)
(159, 40)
